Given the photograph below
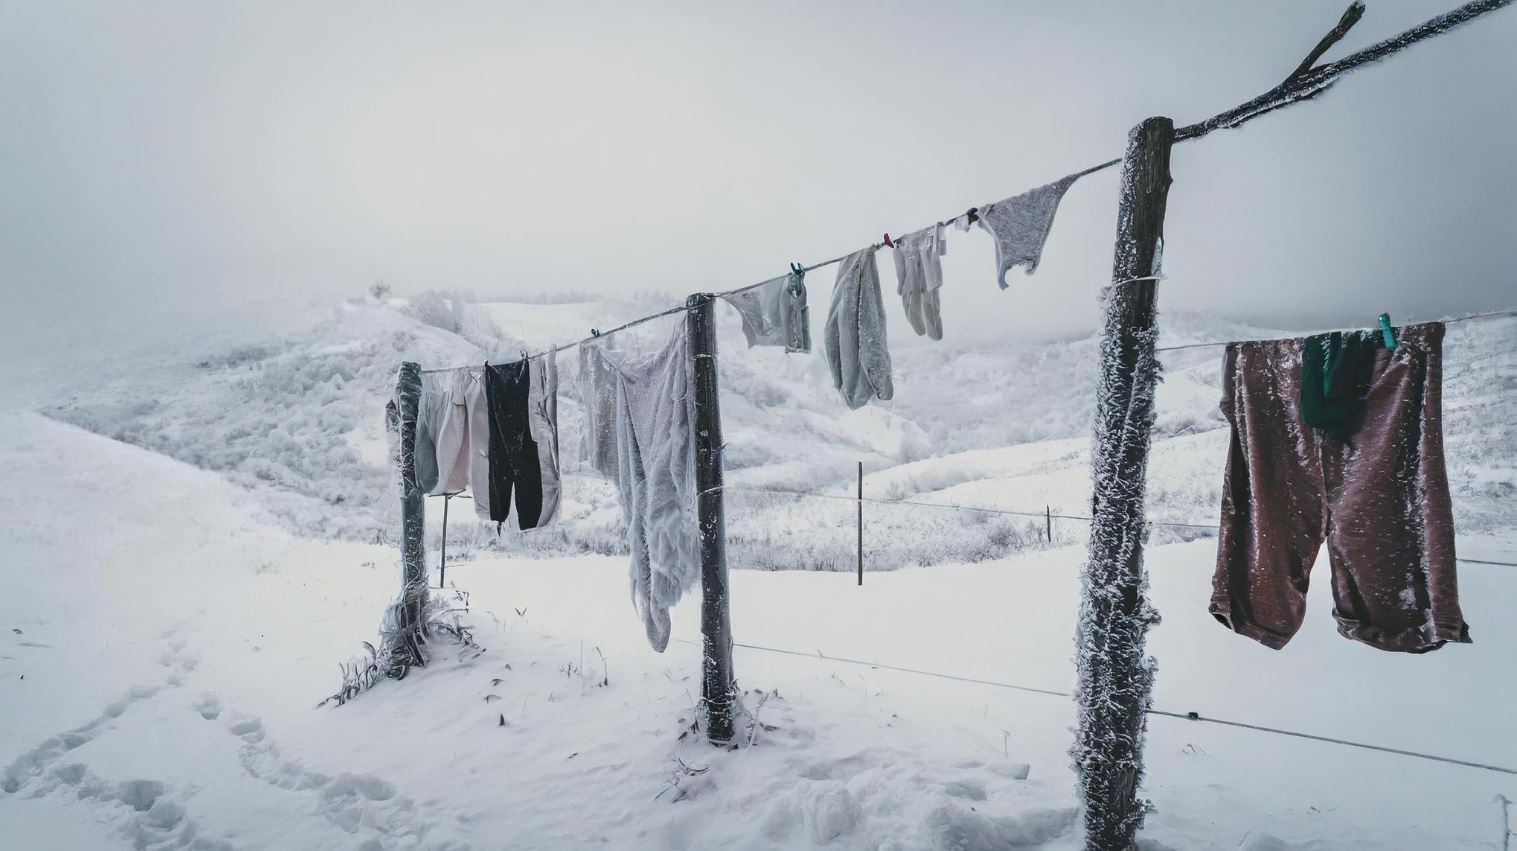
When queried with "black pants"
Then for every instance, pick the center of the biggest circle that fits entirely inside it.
(513, 452)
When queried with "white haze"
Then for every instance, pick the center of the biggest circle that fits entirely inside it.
(173, 162)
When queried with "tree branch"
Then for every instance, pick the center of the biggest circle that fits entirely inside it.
(1307, 82)
(1350, 17)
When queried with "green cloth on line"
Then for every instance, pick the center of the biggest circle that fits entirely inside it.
(1335, 374)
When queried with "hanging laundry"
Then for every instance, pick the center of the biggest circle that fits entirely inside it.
(655, 450)
(1335, 374)
(515, 467)
(1020, 225)
(442, 434)
(542, 418)
(596, 385)
(919, 277)
(775, 313)
(477, 405)
(857, 350)
(1381, 501)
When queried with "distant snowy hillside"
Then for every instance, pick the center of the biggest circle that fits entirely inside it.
(297, 419)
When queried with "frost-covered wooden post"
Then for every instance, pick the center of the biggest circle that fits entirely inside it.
(718, 685)
(1115, 674)
(408, 621)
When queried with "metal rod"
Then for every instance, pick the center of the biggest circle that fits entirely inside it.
(861, 524)
(718, 684)
(442, 560)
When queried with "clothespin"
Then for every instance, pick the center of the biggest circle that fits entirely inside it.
(888, 241)
(595, 332)
(1385, 331)
(798, 270)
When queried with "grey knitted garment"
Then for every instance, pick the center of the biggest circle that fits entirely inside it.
(775, 313)
(655, 451)
(919, 277)
(855, 332)
(1020, 225)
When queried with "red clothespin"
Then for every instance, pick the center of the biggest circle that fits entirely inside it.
(888, 241)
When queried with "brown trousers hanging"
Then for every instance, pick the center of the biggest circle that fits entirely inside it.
(1379, 499)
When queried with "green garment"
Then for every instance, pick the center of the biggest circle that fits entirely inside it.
(1335, 374)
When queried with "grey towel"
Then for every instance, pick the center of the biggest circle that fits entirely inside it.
(596, 386)
(655, 451)
(855, 332)
(1020, 225)
(775, 313)
(542, 420)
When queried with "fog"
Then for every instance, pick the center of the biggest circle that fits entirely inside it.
(167, 162)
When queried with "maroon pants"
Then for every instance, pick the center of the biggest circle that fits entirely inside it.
(1379, 499)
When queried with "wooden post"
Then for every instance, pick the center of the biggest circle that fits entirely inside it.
(861, 523)
(718, 685)
(409, 620)
(1115, 676)
(1048, 512)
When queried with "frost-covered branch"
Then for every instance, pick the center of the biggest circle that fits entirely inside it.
(1306, 81)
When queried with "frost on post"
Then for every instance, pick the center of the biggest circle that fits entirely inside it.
(1115, 676)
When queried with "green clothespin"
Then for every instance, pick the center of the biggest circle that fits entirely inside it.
(1385, 331)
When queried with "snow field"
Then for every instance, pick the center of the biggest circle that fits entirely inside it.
(171, 670)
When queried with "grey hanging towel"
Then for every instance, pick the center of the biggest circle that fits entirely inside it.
(1020, 225)
(919, 277)
(655, 450)
(855, 332)
(542, 421)
(596, 386)
(775, 313)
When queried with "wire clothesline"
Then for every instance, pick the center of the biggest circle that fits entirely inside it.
(1186, 716)
(1306, 81)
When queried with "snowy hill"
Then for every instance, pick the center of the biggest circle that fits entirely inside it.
(158, 676)
(296, 418)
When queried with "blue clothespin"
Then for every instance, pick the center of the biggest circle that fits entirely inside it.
(1385, 331)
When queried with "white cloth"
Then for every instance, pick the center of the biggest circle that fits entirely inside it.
(542, 422)
(442, 433)
(655, 449)
(1020, 225)
(478, 407)
(775, 313)
(919, 277)
(857, 350)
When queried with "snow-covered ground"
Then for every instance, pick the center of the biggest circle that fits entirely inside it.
(185, 572)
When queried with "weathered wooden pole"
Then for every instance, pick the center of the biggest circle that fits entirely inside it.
(718, 685)
(409, 622)
(1115, 682)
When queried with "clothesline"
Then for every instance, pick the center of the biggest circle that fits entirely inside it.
(1330, 330)
(1304, 82)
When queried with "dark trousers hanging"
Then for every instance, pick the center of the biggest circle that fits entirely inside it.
(514, 467)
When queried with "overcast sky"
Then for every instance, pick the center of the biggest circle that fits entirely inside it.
(161, 153)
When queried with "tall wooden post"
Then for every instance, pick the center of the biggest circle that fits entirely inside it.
(1115, 676)
(409, 622)
(718, 685)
